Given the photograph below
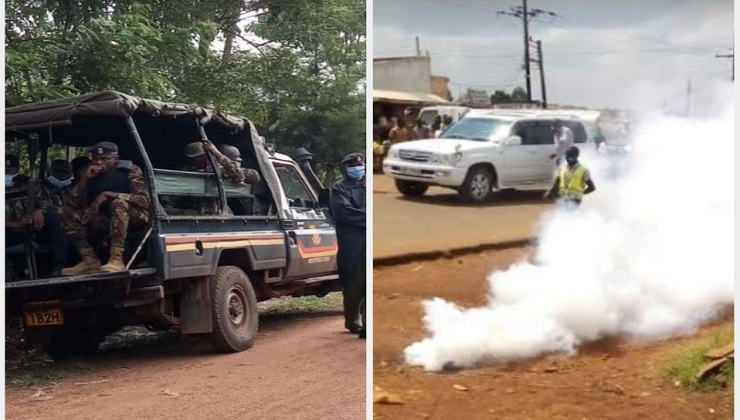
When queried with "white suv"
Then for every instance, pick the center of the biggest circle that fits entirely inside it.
(487, 150)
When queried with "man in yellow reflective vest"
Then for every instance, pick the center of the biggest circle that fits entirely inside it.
(573, 181)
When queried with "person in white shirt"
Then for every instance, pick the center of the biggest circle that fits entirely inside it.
(563, 139)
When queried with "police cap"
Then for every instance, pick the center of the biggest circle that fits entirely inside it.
(104, 148)
(353, 158)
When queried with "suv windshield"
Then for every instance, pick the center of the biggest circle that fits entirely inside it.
(477, 129)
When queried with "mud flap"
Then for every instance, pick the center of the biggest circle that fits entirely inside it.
(195, 307)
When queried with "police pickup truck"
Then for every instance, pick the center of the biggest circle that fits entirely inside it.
(200, 274)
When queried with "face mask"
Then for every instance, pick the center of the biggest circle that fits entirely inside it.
(356, 172)
(58, 183)
(572, 161)
(9, 180)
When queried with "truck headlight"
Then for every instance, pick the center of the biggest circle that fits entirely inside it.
(451, 158)
(393, 152)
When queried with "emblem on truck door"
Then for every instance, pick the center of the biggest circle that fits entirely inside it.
(316, 239)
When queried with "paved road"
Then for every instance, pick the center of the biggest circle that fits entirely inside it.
(440, 220)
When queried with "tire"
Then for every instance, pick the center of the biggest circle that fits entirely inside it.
(411, 188)
(478, 185)
(234, 310)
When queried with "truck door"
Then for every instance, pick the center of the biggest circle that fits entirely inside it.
(310, 234)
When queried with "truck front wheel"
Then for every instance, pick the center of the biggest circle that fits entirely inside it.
(478, 185)
(234, 308)
(411, 188)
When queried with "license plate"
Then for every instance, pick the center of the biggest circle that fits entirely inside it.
(45, 317)
(411, 171)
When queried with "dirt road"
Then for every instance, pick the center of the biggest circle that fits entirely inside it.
(440, 220)
(301, 367)
(607, 380)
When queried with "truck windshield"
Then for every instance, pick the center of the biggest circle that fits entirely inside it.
(476, 129)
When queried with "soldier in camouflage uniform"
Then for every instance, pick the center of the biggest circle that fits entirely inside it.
(251, 176)
(110, 196)
(197, 161)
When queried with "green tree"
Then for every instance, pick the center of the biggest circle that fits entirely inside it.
(518, 94)
(500, 97)
(295, 68)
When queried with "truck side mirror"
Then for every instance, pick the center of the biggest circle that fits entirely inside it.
(324, 197)
(514, 141)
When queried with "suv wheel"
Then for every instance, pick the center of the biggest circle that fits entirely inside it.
(411, 188)
(234, 307)
(478, 185)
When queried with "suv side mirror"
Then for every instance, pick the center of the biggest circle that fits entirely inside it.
(514, 141)
(324, 197)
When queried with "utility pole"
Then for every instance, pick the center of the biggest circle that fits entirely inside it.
(525, 14)
(418, 47)
(731, 57)
(541, 66)
(688, 99)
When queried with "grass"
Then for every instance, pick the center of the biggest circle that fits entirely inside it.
(304, 305)
(682, 366)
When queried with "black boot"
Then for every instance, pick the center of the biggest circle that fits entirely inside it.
(353, 328)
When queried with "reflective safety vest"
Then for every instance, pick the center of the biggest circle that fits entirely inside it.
(573, 181)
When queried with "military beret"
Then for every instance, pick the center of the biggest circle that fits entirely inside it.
(11, 161)
(61, 165)
(353, 158)
(194, 149)
(104, 148)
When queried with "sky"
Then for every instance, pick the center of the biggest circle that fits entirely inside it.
(626, 54)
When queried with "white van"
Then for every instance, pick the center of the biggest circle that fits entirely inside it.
(486, 151)
(429, 113)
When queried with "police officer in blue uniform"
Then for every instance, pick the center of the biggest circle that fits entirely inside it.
(348, 206)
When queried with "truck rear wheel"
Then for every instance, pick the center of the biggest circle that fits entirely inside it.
(234, 308)
(411, 188)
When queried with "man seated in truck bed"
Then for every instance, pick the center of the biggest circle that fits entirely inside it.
(43, 220)
(111, 196)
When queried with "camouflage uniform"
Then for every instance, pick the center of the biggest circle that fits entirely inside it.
(15, 199)
(208, 206)
(50, 198)
(129, 210)
(250, 176)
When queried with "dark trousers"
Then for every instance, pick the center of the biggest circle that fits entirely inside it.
(353, 291)
(51, 235)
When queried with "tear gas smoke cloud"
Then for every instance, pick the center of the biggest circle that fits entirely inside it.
(648, 256)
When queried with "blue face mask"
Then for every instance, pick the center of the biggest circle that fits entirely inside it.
(59, 183)
(9, 180)
(356, 172)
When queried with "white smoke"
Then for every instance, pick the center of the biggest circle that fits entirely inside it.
(648, 256)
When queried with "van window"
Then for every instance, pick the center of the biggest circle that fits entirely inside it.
(534, 133)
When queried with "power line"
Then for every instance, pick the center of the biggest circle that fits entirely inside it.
(624, 38)
(525, 15)
(731, 57)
